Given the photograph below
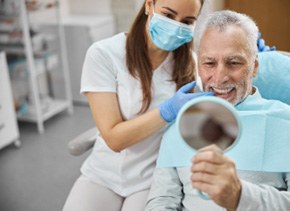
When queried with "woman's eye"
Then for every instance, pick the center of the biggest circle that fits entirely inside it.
(188, 22)
(168, 15)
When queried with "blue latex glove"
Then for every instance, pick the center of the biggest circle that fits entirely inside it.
(262, 47)
(169, 109)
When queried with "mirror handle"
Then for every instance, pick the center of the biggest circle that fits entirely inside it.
(203, 195)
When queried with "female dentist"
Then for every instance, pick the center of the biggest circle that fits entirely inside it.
(130, 81)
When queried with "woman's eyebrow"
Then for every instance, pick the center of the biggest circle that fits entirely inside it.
(171, 10)
(175, 13)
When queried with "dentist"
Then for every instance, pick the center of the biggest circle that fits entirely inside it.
(130, 81)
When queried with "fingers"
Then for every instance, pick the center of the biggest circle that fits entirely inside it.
(203, 178)
(261, 42)
(211, 154)
(187, 87)
(211, 147)
(204, 167)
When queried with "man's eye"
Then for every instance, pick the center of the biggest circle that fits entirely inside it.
(234, 64)
(209, 64)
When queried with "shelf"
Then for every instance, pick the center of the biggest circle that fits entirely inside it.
(13, 49)
(41, 105)
(33, 6)
(9, 132)
(19, 50)
(55, 107)
(4, 16)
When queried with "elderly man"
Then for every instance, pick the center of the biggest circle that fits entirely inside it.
(227, 63)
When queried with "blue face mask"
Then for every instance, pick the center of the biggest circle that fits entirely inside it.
(168, 34)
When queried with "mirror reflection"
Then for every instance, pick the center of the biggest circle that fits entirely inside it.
(206, 123)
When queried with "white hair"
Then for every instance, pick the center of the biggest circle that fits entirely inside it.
(224, 18)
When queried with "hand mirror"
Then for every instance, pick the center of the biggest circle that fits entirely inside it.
(209, 120)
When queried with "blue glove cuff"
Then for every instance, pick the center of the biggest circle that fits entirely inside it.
(166, 112)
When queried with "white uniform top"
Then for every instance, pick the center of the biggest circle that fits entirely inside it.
(105, 70)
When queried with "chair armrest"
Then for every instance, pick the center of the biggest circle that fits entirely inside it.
(83, 142)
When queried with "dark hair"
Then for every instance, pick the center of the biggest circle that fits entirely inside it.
(139, 64)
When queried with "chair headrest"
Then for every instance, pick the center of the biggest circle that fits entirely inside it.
(273, 78)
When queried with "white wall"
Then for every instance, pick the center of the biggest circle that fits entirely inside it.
(123, 10)
(91, 7)
(138, 4)
(217, 5)
(50, 15)
(209, 7)
(65, 7)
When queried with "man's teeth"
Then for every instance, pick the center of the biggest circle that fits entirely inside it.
(222, 91)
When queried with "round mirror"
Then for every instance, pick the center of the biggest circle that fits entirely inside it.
(209, 120)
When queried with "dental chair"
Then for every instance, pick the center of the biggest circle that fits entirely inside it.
(83, 142)
(273, 81)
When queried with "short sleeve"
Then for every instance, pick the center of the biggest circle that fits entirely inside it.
(98, 73)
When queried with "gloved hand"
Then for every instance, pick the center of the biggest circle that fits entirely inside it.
(169, 109)
(261, 45)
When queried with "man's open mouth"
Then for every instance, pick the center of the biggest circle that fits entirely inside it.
(224, 93)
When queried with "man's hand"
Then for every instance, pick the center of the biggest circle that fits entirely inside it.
(215, 174)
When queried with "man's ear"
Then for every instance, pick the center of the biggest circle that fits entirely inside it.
(256, 68)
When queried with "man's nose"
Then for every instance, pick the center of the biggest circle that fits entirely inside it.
(221, 74)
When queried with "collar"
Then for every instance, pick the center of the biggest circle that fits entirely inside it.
(250, 99)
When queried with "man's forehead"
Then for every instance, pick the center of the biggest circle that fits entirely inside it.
(227, 29)
(236, 56)
(230, 35)
(228, 43)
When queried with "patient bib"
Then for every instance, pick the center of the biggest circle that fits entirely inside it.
(264, 144)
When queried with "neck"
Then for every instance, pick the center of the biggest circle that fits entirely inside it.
(251, 92)
(156, 55)
(157, 58)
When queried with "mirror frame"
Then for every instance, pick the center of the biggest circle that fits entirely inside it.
(216, 100)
